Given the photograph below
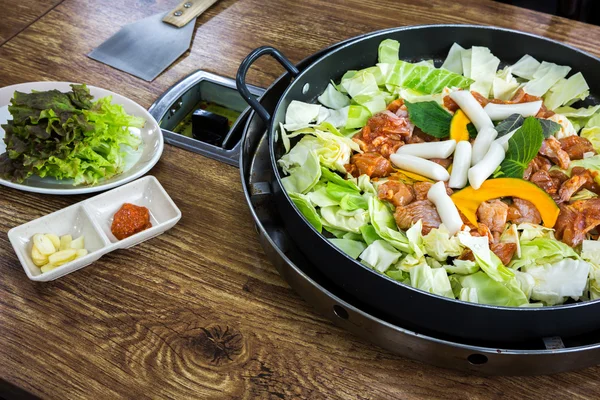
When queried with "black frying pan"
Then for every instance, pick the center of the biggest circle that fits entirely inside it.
(408, 306)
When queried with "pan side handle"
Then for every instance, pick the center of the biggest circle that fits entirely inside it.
(243, 70)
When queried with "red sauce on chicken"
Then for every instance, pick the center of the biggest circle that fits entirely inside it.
(129, 220)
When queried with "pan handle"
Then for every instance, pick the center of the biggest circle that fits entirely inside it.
(243, 70)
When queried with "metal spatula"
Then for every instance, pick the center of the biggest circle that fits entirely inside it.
(146, 48)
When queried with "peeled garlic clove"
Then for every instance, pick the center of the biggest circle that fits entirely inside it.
(62, 257)
(48, 267)
(82, 253)
(43, 244)
(78, 243)
(38, 258)
(54, 239)
(65, 242)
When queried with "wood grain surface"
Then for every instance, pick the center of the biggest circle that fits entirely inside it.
(17, 15)
(199, 312)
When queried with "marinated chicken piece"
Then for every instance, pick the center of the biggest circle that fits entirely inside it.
(384, 133)
(419, 136)
(444, 162)
(504, 251)
(576, 146)
(576, 220)
(422, 188)
(559, 177)
(544, 113)
(466, 222)
(450, 104)
(551, 148)
(396, 192)
(539, 163)
(395, 105)
(572, 186)
(544, 181)
(521, 211)
(493, 214)
(423, 210)
(590, 184)
(372, 164)
(467, 255)
(482, 230)
(402, 112)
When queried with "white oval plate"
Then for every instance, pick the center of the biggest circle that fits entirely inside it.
(137, 163)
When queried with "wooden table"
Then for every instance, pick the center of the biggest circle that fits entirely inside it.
(199, 311)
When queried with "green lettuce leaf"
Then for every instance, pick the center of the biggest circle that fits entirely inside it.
(66, 136)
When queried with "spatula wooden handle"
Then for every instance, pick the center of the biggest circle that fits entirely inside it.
(186, 11)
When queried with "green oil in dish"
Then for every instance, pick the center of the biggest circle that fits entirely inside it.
(185, 126)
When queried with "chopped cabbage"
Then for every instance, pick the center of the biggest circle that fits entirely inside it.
(306, 208)
(385, 225)
(462, 267)
(483, 69)
(567, 92)
(388, 51)
(299, 115)
(380, 255)
(349, 221)
(453, 62)
(504, 85)
(490, 291)
(525, 67)
(351, 247)
(440, 245)
(425, 79)
(468, 294)
(485, 258)
(432, 280)
(542, 251)
(333, 98)
(555, 282)
(546, 76)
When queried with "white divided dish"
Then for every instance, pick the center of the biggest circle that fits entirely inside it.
(92, 218)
